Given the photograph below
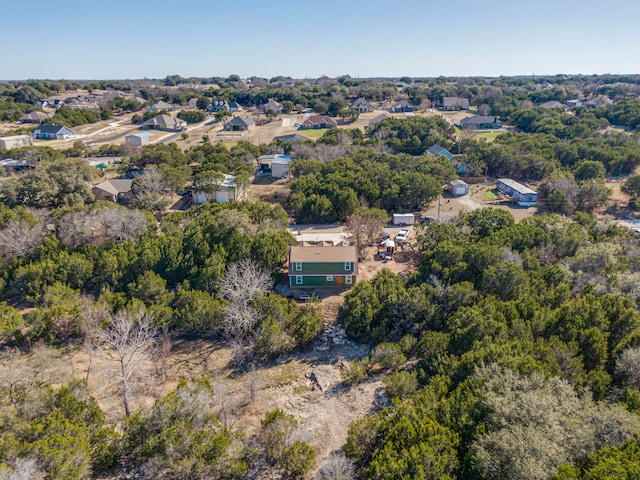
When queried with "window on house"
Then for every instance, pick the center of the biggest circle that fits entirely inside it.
(347, 266)
(299, 280)
(329, 278)
(348, 279)
(298, 266)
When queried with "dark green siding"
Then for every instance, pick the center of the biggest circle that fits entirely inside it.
(334, 267)
(319, 281)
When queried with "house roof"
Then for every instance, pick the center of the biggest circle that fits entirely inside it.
(53, 129)
(234, 105)
(161, 105)
(403, 103)
(164, 121)
(241, 121)
(35, 116)
(359, 101)
(275, 158)
(552, 104)
(435, 149)
(271, 104)
(479, 119)
(455, 102)
(518, 187)
(322, 254)
(458, 182)
(377, 119)
(15, 137)
(319, 119)
(141, 135)
(115, 185)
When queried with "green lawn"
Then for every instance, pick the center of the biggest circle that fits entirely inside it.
(313, 133)
(487, 136)
(492, 194)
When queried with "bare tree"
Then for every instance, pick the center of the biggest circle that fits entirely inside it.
(245, 281)
(23, 469)
(337, 467)
(130, 335)
(254, 383)
(20, 238)
(100, 227)
(365, 231)
(628, 367)
(242, 284)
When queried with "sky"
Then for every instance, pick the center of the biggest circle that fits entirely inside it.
(130, 39)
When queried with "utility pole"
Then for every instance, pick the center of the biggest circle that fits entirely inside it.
(439, 205)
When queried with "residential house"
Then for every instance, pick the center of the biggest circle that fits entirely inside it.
(292, 137)
(52, 132)
(457, 188)
(239, 124)
(221, 105)
(138, 139)
(116, 190)
(166, 123)
(553, 104)
(377, 119)
(576, 102)
(16, 141)
(436, 149)
(11, 165)
(272, 105)
(318, 121)
(225, 192)
(402, 106)
(275, 164)
(322, 266)
(481, 122)
(159, 106)
(524, 195)
(218, 106)
(34, 117)
(454, 103)
(361, 105)
(235, 107)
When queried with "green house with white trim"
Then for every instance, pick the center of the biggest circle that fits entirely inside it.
(322, 266)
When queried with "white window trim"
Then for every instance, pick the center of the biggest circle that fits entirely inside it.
(329, 278)
(298, 279)
(298, 266)
(348, 279)
(347, 266)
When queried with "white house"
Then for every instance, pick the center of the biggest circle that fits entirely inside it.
(457, 188)
(225, 193)
(524, 195)
(16, 141)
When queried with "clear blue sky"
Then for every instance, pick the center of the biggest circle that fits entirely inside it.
(134, 39)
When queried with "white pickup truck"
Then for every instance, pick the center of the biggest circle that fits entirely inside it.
(402, 236)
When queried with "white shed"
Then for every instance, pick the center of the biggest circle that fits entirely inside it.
(458, 188)
(280, 166)
(139, 139)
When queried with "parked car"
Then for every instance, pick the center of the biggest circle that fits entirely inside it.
(402, 236)
(428, 220)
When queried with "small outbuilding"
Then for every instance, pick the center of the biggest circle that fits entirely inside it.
(16, 141)
(275, 164)
(138, 139)
(457, 187)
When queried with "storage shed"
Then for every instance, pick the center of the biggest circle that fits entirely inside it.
(139, 139)
(457, 188)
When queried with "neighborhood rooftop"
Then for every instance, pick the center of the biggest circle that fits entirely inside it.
(518, 187)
